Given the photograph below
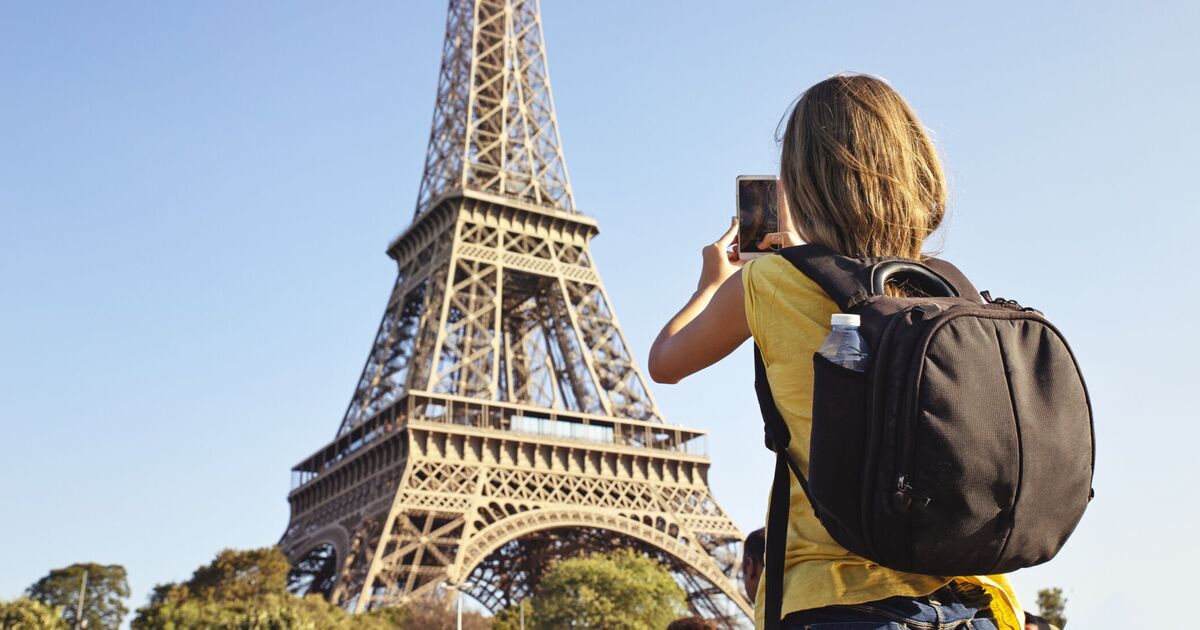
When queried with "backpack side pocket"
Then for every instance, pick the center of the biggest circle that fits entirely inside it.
(836, 447)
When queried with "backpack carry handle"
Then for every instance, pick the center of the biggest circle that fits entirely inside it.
(884, 271)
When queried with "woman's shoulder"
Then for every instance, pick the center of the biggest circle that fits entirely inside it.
(775, 275)
(782, 301)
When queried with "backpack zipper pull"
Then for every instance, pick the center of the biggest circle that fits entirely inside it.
(904, 488)
(1013, 304)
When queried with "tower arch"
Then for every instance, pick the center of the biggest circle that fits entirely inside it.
(498, 580)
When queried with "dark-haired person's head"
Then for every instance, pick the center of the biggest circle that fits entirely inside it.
(691, 623)
(1035, 622)
(753, 558)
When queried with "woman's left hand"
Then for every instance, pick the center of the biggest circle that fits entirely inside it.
(719, 261)
(780, 239)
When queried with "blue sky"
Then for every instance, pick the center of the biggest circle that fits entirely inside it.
(195, 199)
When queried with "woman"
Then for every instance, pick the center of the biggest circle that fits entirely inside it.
(860, 176)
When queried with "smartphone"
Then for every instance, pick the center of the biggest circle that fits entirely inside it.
(758, 213)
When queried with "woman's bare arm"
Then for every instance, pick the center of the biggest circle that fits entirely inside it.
(710, 326)
(712, 323)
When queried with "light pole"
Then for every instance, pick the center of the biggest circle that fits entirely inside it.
(79, 622)
(458, 588)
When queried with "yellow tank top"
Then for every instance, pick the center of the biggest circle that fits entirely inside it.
(789, 318)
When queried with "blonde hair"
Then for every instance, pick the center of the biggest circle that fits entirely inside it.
(859, 171)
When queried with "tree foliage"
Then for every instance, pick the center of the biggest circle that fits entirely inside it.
(247, 590)
(240, 575)
(103, 603)
(28, 614)
(1053, 606)
(273, 612)
(241, 590)
(618, 591)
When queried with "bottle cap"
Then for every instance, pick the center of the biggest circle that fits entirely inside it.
(843, 319)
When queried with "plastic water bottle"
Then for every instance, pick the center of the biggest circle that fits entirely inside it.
(844, 346)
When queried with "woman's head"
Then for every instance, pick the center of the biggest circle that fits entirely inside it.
(859, 172)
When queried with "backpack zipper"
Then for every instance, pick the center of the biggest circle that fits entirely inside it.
(903, 487)
(903, 433)
(870, 474)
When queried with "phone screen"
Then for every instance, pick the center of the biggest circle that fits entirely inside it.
(758, 212)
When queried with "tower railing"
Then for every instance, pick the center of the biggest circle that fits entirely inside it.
(531, 423)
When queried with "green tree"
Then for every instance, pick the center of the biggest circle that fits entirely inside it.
(241, 575)
(242, 590)
(27, 614)
(103, 602)
(247, 590)
(618, 591)
(1053, 606)
(273, 612)
(510, 618)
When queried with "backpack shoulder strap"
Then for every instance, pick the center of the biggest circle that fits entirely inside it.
(840, 277)
(779, 506)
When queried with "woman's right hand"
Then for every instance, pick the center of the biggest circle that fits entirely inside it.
(718, 262)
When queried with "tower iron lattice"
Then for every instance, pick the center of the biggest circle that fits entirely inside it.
(500, 421)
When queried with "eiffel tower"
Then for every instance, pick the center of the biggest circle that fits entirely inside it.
(500, 421)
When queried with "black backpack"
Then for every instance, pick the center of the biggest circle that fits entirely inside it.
(966, 446)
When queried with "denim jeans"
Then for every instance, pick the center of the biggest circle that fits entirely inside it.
(957, 605)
